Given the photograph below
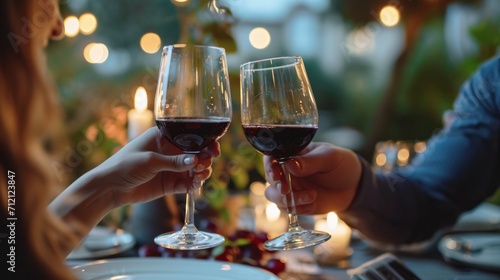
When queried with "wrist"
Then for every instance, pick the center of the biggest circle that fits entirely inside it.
(84, 203)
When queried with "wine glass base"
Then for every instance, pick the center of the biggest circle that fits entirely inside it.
(189, 241)
(292, 240)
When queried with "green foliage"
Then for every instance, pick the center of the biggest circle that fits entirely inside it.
(97, 101)
(428, 88)
(486, 34)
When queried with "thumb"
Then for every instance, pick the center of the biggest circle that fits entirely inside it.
(177, 163)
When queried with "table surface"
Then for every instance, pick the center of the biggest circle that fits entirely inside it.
(429, 265)
(426, 266)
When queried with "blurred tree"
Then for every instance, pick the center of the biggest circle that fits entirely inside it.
(414, 15)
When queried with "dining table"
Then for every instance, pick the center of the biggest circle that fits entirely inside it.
(428, 265)
(304, 264)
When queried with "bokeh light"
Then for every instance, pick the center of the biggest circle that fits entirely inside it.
(181, 3)
(381, 159)
(88, 23)
(150, 42)
(259, 38)
(71, 26)
(360, 41)
(420, 147)
(95, 53)
(403, 155)
(389, 16)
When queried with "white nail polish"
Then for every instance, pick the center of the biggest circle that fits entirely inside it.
(189, 160)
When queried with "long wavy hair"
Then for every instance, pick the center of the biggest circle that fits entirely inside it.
(29, 118)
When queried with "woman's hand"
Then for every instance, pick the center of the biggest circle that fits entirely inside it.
(150, 166)
(324, 178)
(146, 168)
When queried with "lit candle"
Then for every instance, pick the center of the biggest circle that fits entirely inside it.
(140, 118)
(337, 247)
(270, 220)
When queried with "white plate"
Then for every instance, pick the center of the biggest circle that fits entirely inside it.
(486, 258)
(164, 268)
(486, 216)
(103, 242)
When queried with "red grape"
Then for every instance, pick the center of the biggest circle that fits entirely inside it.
(251, 251)
(149, 251)
(275, 266)
(227, 255)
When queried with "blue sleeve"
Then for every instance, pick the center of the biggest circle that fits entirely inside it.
(459, 169)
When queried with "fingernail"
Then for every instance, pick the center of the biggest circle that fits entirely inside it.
(297, 164)
(189, 159)
(303, 199)
(278, 186)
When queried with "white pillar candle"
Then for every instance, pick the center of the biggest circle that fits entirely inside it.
(337, 247)
(140, 118)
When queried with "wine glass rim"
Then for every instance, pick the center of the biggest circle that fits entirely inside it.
(296, 60)
(180, 46)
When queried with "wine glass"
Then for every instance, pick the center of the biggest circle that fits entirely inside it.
(192, 110)
(279, 118)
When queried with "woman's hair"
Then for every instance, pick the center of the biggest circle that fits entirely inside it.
(28, 113)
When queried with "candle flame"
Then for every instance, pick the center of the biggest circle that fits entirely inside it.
(332, 220)
(272, 212)
(141, 99)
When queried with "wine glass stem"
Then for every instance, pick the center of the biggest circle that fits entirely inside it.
(190, 208)
(293, 219)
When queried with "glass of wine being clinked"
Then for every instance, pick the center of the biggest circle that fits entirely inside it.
(192, 110)
(279, 118)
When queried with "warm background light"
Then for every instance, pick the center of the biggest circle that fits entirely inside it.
(88, 23)
(389, 16)
(380, 159)
(95, 53)
(403, 155)
(259, 38)
(181, 3)
(71, 26)
(420, 147)
(360, 41)
(332, 219)
(272, 212)
(258, 188)
(150, 42)
(141, 99)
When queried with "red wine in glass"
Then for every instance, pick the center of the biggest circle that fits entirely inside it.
(192, 134)
(192, 110)
(279, 141)
(279, 118)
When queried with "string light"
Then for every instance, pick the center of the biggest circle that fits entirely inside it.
(150, 42)
(181, 3)
(71, 26)
(389, 16)
(96, 53)
(259, 38)
(381, 159)
(88, 23)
